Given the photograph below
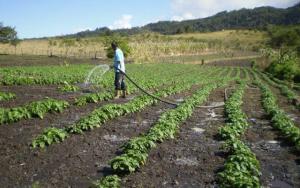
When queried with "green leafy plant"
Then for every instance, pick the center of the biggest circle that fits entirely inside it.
(68, 88)
(34, 109)
(241, 169)
(49, 136)
(279, 119)
(112, 181)
(6, 96)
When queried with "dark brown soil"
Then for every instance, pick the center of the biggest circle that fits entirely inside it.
(29, 93)
(191, 159)
(239, 63)
(76, 161)
(242, 73)
(279, 166)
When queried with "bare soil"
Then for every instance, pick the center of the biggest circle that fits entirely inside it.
(279, 164)
(192, 158)
(79, 159)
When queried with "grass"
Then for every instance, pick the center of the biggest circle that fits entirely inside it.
(147, 46)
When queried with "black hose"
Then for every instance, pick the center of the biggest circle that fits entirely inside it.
(146, 92)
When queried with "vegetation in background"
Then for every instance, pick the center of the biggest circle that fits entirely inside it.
(7, 34)
(122, 44)
(238, 19)
(285, 63)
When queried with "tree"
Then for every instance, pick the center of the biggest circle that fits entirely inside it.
(122, 43)
(7, 34)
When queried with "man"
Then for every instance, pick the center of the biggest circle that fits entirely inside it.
(119, 66)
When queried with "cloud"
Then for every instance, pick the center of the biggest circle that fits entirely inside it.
(123, 23)
(189, 9)
(184, 16)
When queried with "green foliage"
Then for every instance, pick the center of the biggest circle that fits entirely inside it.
(285, 90)
(285, 66)
(68, 88)
(93, 98)
(6, 96)
(135, 152)
(122, 44)
(257, 18)
(34, 109)
(241, 169)
(110, 111)
(49, 136)
(112, 181)
(279, 119)
(41, 75)
(7, 34)
(285, 37)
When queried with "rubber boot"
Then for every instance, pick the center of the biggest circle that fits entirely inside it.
(124, 93)
(117, 94)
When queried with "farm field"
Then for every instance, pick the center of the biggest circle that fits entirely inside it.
(233, 126)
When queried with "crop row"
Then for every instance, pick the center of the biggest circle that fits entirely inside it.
(143, 80)
(34, 109)
(135, 152)
(111, 111)
(285, 91)
(295, 86)
(77, 73)
(279, 119)
(241, 169)
(6, 96)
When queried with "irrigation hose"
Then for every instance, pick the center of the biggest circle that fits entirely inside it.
(159, 99)
(146, 92)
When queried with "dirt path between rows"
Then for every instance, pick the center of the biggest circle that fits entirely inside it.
(191, 159)
(29, 93)
(79, 159)
(279, 166)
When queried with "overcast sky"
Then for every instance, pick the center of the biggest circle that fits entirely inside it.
(37, 18)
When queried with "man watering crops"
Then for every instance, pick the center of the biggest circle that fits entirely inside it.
(119, 66)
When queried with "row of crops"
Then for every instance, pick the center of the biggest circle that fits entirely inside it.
(241, 168)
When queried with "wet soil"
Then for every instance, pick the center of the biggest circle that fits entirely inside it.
(192, 158)
(29, 93)
(279, 164)
(76, 161)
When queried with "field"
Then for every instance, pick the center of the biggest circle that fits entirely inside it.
(233, 126)
(147, 47)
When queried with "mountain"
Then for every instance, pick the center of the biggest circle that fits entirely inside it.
(256, 18)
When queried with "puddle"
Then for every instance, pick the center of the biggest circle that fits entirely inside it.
(260, 122)
(216, 104)
(179, 100)
(186, 161)
(198, 130)
(115, 138)
(272, 142)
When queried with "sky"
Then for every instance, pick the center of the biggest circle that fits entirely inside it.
(38, 18)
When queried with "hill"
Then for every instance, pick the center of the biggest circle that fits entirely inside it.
(256, 18)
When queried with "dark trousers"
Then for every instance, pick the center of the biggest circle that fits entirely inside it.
(120, 81)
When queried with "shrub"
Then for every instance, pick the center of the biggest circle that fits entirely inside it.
(122, 43)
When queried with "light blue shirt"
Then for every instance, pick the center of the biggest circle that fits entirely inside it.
(119, 60)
